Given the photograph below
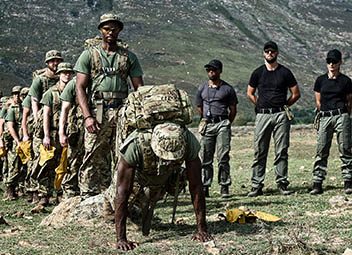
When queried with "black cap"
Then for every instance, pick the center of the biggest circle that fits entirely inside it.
(216, 64)
(334, 55)
(271, 45)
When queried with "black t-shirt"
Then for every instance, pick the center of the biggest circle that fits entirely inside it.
(333, 91)
(272, 86)
(216, 100)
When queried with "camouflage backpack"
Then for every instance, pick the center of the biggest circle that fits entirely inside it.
(40, 73)
(99, 68)
(153, 105)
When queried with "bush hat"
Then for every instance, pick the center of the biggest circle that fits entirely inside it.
(53, 54)
(110, 17)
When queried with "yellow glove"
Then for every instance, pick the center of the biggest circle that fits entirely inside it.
(3, 152)
(23, 150)
(45, 154)
(61, 170)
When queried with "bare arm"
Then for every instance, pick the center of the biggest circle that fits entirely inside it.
(46, 126)
(317, 100)
(65, 108)
(25, 114)
(295, 95)
(251, 94)
(137, 82)
(125, 179)
(90, 122)
(233, 112)
(35, 107)
(11, 127)
(193, 169)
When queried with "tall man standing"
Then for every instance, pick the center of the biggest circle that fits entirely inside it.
(333, 98)
(273, 81)
(216, 101)
(107, 66)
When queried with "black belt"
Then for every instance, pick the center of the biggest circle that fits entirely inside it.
(217, 119)
(270, 110)
(333, 112)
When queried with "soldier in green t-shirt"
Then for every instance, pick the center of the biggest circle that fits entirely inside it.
(15, 174)
(149, 159)
(71, 134)
(51, 113)
(101, 85)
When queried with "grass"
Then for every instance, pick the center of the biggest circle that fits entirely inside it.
(310, 225)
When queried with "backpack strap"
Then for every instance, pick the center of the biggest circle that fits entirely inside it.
(56, 107)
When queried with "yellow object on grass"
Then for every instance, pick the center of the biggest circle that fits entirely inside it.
(61, 170)
(243, 215)
(45, 154)
(23, 150)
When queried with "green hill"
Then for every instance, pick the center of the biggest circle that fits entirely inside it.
(174, 39)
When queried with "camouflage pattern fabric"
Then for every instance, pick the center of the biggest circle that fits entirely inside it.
(96, 169)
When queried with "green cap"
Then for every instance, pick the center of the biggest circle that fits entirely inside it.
(110, 17)
(64, 66)
(53, 54)
(16, 89)
(168, 142)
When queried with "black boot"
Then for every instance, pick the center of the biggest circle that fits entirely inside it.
(255, 192)
(317, 188)
(348, 187)
(225, 191)
(283, 189)
(206, 191)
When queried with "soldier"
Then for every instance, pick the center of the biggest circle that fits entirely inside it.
(13, 119)
(51, 114)
(71, 132)
(148, 158)
(107, 65)
(333, 98)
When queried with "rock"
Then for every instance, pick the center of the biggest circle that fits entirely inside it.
(347, 252)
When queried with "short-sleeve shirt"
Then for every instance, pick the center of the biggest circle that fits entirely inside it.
(216, 100)
(333, 91)
(27, 102)
(114, 82)
(14, 114)
(134, 156)
(272, 86)
(37, 88)
(48, 98)
(69, 92)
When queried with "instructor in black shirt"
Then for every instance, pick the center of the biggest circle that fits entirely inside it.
(271, 81)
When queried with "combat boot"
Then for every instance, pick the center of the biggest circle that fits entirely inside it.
(206, 191)
(348, 187)
(284, 190)
(225, 192)
(35, 197)
(255, 192)
(44, 200)
(317, 188)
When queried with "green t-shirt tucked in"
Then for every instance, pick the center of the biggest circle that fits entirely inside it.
(112, 81)
(14, 114)
(27, 102)
(40, 85)
(69, 93)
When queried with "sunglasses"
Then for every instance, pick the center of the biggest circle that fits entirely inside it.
(268, 51)
(332, 61)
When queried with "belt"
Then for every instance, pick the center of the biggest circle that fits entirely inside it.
(332, 112)
(270, 110)
(217, 119)
(109, 95)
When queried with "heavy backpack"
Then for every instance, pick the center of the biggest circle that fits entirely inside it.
(153, 105)
(40, 73)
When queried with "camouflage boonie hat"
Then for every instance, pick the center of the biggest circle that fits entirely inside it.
(168, 141)
(110, 17)
(4, 99)
(16, 89)
(24, 91)
(52, 54)
(64, 66)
